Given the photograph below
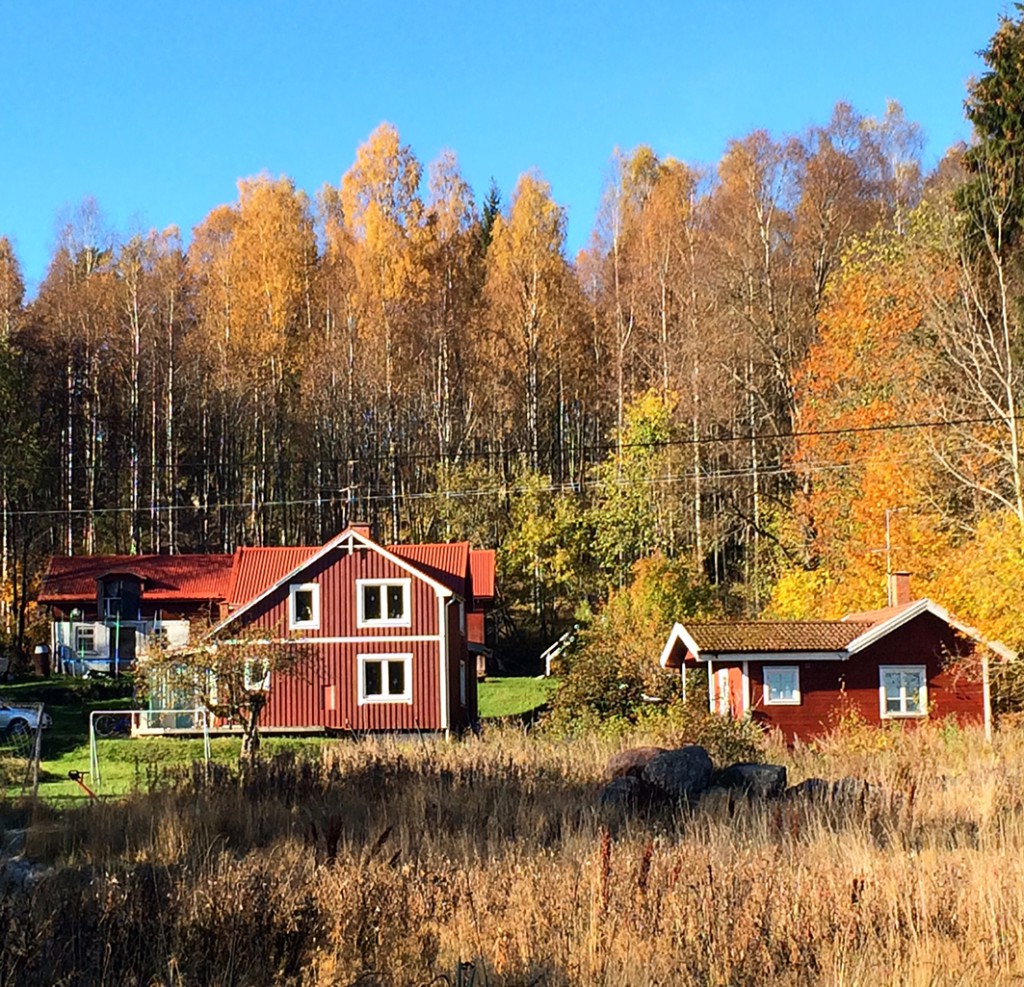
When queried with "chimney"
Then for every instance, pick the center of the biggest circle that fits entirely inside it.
(361, 528)
(899, 589)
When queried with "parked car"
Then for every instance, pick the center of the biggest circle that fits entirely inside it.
(16, 721)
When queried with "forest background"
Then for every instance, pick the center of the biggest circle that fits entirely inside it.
(758, 388)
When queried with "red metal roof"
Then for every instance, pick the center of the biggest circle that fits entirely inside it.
(243, 576)
(257, 569)
(482, 565)
(447, 563)
(164, 577)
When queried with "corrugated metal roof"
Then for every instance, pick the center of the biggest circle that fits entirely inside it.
(243, 576)
(717, 637)
(447, 563)
(482, 565)
(257, 569)
(165, 577)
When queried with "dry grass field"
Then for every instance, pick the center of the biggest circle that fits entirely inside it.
(389, 863)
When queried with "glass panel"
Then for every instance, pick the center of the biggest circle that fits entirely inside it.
(782, 684)
(396, 678)
(396, 603)
(912, 685)
(892, 683)
(372, 685)
(303, 606)
(371, 603)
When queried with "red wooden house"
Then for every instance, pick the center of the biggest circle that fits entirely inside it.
(386, 630)
(385, 627)
(906, 662)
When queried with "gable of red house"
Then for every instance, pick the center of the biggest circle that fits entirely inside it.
(905, 663)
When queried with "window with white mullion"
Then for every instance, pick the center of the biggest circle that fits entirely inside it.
(903, 691)
(383, 603)
(782, 685)
(384, 678)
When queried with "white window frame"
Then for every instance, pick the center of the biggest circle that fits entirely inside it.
(85, 630)
(903, 714)
(294, 623)
(250, 682)
(768, 701)
(405, 621)
(385, 697)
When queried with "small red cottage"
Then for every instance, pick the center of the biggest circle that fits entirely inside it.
(388, 630)
(908, 661)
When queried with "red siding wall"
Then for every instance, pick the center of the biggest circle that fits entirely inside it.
(826, 686)
(323, 691)
(337, 574)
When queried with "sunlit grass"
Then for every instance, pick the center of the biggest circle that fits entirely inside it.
(386, 862)
(513, 696)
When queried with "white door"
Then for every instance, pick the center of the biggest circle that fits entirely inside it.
(723, 690)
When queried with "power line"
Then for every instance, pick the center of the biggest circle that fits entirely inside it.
(590, 452)
(739, 473)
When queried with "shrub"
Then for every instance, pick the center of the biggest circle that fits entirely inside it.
(615, 664)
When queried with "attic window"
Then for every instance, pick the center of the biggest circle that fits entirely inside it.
(383, 603)
(303, 606)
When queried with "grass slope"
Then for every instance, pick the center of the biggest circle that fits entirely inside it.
(513, 696)
(392, 861)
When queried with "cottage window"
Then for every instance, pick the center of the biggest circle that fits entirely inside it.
(304, 606)
(385, 679)
(782, 685)
(383, 603)
(903, 690)
(85, 639)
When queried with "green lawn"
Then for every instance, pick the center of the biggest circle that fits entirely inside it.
(513, 696)
(125, 764)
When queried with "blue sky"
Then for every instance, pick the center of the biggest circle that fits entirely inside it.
(156, 108)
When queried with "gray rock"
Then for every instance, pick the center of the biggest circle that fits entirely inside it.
(681, 774)
(757, 780)
(630, 762)
(810, 790)
(624, 792)
(850, 790)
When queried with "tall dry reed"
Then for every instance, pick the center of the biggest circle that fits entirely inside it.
(390, 862)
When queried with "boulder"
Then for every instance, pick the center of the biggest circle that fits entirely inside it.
(810, 790)
(850, 790)
(623, 792)
(757, 780)
(680, 774)
(630, 762)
